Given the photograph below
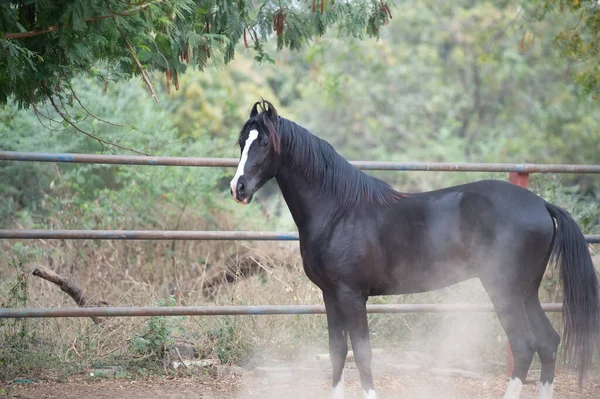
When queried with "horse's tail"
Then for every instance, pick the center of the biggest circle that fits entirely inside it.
(581, 307)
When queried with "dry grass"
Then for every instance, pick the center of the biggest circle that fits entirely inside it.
(156, 273)
(138, 273)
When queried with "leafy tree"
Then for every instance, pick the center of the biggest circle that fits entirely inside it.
(449, 83)
(578, 42)
(45, 43)
(118, 195)
(109, 196)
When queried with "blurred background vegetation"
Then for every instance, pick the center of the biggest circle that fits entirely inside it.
(458, 81)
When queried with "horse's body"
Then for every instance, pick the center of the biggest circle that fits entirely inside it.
(428, 241)
(359, 237)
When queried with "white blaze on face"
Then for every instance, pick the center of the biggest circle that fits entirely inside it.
(545, 390)
(240, 169)
(338, 391)
(513, 391)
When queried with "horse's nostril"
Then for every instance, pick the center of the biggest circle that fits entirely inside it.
(240, 188)
(230, 191)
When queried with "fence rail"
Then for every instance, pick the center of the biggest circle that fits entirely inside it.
(518, 171)
(150, 235)
(167, 235)
(232, 162)
(246, 310)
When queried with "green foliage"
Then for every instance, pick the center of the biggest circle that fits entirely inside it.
(578, 42)
(449, 83)
(230, 346)
(214, 104)
(102, 195)
(45, 44)
(17, 335)
(152, 345)
(582, 206)
(15, 331)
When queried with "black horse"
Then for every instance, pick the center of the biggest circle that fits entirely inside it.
(359, 237)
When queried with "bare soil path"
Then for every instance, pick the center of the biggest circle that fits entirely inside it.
(250, 386)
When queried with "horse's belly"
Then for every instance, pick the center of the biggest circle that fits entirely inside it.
(412, 279)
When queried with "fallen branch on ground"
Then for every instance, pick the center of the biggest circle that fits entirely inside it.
(70, 288)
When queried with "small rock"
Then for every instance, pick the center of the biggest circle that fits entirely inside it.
(224, 371)
(186, 351)
(107, 372)
(24, 381)
(194, 363)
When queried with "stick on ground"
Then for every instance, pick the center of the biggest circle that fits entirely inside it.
(70, 288)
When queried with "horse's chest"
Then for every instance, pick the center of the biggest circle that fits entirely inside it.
(315, 274)
(313, 271)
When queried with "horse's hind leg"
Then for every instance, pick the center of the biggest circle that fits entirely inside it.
(338, 344)
(509, 302)
(547, 340)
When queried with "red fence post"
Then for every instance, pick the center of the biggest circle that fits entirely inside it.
(520, 179)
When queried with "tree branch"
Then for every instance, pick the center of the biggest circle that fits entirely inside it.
(70, 288)
(101, 141)
(22, 35)
(39, 115)
(145, 77)
(89, 113)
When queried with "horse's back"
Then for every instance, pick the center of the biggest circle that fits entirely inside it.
(507, 207)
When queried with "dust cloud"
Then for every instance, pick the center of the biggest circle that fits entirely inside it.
(428, 357)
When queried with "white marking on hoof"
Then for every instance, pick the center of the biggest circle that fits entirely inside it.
(370, 394)
(240, 169)
(513, 391)
(545, 390)
(338, 391)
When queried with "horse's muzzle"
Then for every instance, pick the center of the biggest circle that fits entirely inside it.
(238, 193)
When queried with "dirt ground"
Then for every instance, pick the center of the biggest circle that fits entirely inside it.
(250, 386)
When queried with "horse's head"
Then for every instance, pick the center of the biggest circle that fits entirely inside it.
(260, 152)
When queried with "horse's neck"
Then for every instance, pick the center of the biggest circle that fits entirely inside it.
(306, 202)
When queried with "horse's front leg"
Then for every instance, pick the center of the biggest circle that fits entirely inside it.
(354, 309)
(338, 344)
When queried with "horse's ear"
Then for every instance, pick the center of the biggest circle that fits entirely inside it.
(254, 110)
(271, 111)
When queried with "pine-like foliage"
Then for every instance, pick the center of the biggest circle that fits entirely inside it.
(45, 43)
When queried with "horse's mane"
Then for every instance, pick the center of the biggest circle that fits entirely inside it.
(320, 163)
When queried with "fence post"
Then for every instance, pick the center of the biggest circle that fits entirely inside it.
(520, 179)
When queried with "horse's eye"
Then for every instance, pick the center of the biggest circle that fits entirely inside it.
(265, 142)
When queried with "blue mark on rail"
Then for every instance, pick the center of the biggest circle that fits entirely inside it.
(287, 237)
(44, 157)
(65, 158)
(51, 157)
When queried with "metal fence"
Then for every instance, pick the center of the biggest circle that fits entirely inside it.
(232, 162)
(519, 174)
(247, 310)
